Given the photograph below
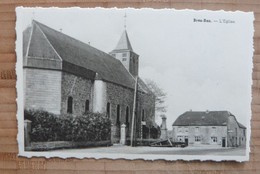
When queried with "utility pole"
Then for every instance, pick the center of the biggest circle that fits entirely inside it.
(134, 109)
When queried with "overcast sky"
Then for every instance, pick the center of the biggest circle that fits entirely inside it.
(200, 65)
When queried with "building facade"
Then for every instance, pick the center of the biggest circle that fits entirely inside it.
(217, 128)
(65, 76)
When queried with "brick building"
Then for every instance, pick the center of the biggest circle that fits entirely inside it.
(217, 128)
(64, 75)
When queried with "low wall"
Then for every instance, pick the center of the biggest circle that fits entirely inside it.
(141, 142)
(43, 146)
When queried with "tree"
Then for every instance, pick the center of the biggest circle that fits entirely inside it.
(160, 96)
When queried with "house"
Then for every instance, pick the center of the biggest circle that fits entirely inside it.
(64, 75)
(219, 128)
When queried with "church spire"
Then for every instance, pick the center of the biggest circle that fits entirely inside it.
(124, 52)
(124, 42)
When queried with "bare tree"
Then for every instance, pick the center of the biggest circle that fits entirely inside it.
(160, 96)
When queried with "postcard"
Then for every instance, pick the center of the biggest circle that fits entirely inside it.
(134, 83)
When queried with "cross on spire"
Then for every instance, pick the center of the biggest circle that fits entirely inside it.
(125, 21)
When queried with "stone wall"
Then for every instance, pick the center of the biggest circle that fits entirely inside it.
(242, 137)
(204, 132)
(42, 89)
(124, 97)
(80, 89)
(235, 134)
(43, 146)
(146, 106)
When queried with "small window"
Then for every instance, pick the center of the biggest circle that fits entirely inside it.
(87, 106)
(214, 129)
(118, 114)
(123, 54)
(180, 138)
(143, 115)
(197, 138)
(197, 129)
(114, 55)
(70, 104)
(214, 139)
(108, 110)
(127, 115)
(179, 129)
(186, 129)
(124, 59)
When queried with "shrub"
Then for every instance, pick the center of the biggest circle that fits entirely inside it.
(152, 132)
(49, 127)
(91, 127)
(44, 125)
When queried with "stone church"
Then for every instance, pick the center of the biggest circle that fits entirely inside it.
(64, 75)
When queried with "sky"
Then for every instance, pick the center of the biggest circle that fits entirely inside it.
(201, 65)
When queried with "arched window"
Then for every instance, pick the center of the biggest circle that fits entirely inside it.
(118, 114)
(87, 106)
(127, 115)
(70, 104)
(143, 115)
(108, 110)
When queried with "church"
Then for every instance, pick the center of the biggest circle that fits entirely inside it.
(63, 75)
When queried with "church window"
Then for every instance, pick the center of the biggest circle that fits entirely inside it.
(127, 115)
(118, 114)
(87, 106)
(143, 115)
(70, 104)
(108, 110)
(123, 54)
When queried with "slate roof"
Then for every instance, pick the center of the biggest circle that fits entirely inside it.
(211, 118)
(124, 43)
(142, 86)
(74, 52)
(241, 125)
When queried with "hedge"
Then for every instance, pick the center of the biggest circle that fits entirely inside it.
(153, 132)
(50, 127)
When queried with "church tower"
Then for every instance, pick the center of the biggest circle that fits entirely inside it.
(126, 55)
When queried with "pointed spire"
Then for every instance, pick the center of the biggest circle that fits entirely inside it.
(124, 43)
